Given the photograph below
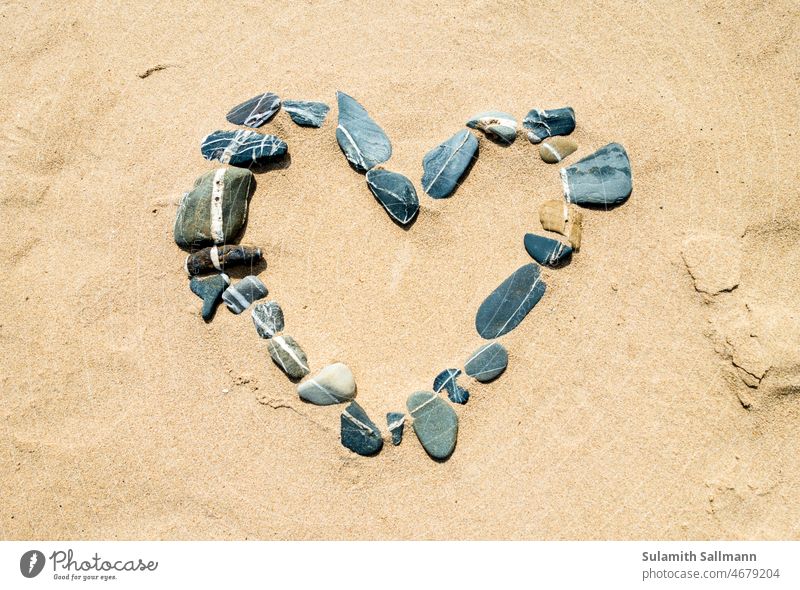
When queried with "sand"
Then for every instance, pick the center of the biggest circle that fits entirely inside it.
(625, 412)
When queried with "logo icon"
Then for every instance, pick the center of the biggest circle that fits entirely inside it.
(31, 563)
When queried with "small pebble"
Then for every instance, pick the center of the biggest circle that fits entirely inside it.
(219, 257)
(435, 423)
(306, 113)
(359, 433)
(497, 125)
(602, 179)
(256, 111)
(395, 192)
(556, 149)
(332, 385)
(243, 148)
(487, 363)
(395, 421)
(238, 297)
(558, 216)
(210, 291)
(507, 306)
(267, 318)
(447, 380)
(287, 354)
(542, 124)
(445, 164)
(547, 251)
(364, 143)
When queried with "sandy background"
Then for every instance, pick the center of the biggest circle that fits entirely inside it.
(622, 414)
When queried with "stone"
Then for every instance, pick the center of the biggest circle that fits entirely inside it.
(446, 380)
(221, 257)
(332, 385)
(396, 421)
(395, 192)
(238, 297)
(556, 149)
(210, 291)
(497, 125)
(306, 113)
(542, 124)
(363, 142)
(287, 354)
(215, 210)
(507, 306)
(560, 217)
(547, 251)
(267, 318)
(435, 423)
(359, 433)
(714, 261)
(602, 179)
(243, 148)
(487, 363)
(256, 111)
(444, 165)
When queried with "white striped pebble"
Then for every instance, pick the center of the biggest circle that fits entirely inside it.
(238, 297)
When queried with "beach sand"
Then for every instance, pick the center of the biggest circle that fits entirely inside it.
(635, 406)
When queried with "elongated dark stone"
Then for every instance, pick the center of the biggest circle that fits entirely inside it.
(221, 257)
(256, 111)
(395, 192)
(547, 251)
(364, 143)
(542, 124)
(210, 291)
(507, 306)
(359, 433)
(395, 421)
(445, 164)
(287, 354)
(601, 179)
(487, 363)
(306, 113)
(243, 148)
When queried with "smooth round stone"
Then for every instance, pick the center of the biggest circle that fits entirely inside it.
(287, 354)
(507, 306)
(487, 363)
(602, 179)
(358, 432)
(306, 113)
(496, 124)
(547, 251)
(215, 210)
(256, 111)
(238, 297)
(395, 192)
(435, 423)
(210, 291)
(334, 384)
(363, 142)
(445, 164)
(395, 421)
(556, 149)
(267, 318)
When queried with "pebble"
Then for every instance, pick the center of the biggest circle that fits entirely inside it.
(435, 423)
(363, 142)
(256, 111)
(395, 192)
(219, 257)
(396, 421)
(487, 363)
(306, 113)
(507, 306)
(547, 251)
(215, 210)
(445, 164)
(447, 380)
(601, 179)
(560, 217)
(359, 433)
(268, 318)
(556, 149)
(333, 385)
(287, 354)
(496, 124)
(210, 291)
(238, 297)
(542, 124)
(243, 148)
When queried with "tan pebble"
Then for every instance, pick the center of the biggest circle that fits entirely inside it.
(556, 149)
(575, 223)
(567, 220)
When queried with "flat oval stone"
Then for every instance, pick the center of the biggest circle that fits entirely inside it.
(496, 124)
(435, 423)
(396, 421)
(547, 251)
(238, 297)
(256, 111)
(267, 318)
(219, 257)
(210, 291)
(287, 354)
(306, 113)
(363, 142)
(215, 210)
(332, 385)
(395, 192)
(487, 363)
(359, 433)
(445, 164)
(556, 149)
(243, 148)
(601, 179)
(507, 306)
(542, 124)
(446, 380)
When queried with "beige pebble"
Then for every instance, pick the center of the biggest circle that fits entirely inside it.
(558, 216)
(556, 149)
